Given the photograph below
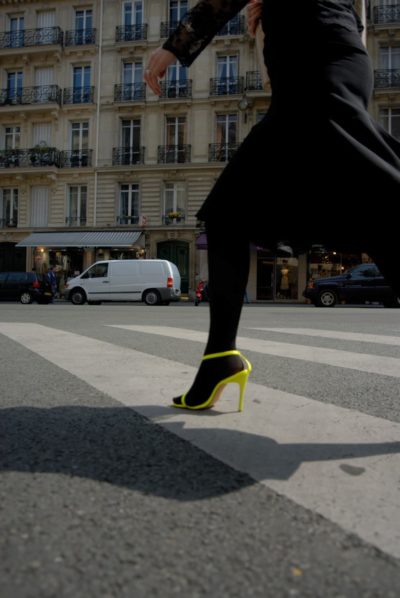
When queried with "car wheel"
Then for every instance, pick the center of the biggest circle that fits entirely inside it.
(327, 298)
(152, 297)
(78, 296)
(25, 298)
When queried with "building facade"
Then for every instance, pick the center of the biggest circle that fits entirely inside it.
(88, 154)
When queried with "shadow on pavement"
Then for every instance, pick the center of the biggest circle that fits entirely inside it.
(122, 447)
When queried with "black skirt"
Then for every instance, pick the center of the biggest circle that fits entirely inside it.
(317, 168)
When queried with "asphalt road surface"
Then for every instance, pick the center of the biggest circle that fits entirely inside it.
(106, 491)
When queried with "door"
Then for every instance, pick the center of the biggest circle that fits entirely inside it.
(130, 141)
(79, 143)
(81, 84)
(176, 252)
(17, 27)
(14, 86)
(96, 282)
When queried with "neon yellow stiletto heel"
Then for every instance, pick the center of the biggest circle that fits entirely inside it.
(238, 378)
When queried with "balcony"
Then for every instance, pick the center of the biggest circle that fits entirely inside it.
(176, 89)
(174, 217)
(224, 86)
(8, 222)
(126, 156)
(28, 38)
(76, 158)
(174, 154)
(126, 219)
(253, 81)
(131, 33)
(235, 26)
(387, 79)
(40, 94)
(386, 14)
(80, 37)
(221, 152)
(75, 221)
(78, 95)
(167, 28)
(133, 92)
(28, 158)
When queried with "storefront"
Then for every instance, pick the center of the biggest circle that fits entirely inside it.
(72, 252)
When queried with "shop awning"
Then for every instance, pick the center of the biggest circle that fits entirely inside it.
(201, 241)
(84, 239)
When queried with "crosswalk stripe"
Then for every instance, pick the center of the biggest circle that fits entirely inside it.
(361, 337)
(338, 462)
(374, 364)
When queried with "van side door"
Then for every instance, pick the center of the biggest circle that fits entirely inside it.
(96, 282)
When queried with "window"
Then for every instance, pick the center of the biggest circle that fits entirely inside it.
(79, 143)
(97, 271)
(81, 83)
(130, 141)
(17, 27)
(175, 138)
(12, 135)
(174, 201)
(83, 26)
(133, 13)
(9, 207)
(226, 129)
(128, 204)
(177, 8)
(227, 74)
(390, 120)
(132, 80)
(177, 80)
(14, 85)
(77, 200)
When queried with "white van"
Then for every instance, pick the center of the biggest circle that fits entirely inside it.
(156, 282)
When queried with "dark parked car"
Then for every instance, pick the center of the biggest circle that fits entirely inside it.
(358, 285)
(25, 287)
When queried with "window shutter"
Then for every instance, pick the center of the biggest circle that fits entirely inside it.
(39, 206)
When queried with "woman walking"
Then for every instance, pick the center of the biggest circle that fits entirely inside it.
(310, 171)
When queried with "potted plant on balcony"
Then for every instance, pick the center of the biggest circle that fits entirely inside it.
(175, 215)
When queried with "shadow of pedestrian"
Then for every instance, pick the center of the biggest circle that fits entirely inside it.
(122, 447)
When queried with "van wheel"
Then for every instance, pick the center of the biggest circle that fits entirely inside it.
(25, 298)
(78, 296)
(327, 298)
(152, 297)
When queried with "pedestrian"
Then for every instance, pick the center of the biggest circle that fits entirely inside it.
(316, 147)
(51, 276)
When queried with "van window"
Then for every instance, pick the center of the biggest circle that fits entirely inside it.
(97, 271)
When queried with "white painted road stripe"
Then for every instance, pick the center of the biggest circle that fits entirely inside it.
(361, 337)
(308, 451)
(373, 364)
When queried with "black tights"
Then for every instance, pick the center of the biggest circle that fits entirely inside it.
(228, 271)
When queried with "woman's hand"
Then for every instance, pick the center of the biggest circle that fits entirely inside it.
(159, 61)
(254, 10)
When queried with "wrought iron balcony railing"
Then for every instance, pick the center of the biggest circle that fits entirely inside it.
(124, 156)
(80, 37)
(174, 217)
(235, 26)
(387, 14)
(131, 33)
(126, 219)
(40, 94)
(75, 221)
(133, 92)
(174, 154)
(221, 152)
(167, 28)
(387, 78)
(253, 81)
(37, 156)
(176, 89)
(78, 95)
(46, 36)
(76, 158)
(224, 86)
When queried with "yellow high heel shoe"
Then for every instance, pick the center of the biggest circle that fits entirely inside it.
(238, 378)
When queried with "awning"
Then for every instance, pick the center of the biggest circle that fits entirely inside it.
(201, 241)
(83, 239)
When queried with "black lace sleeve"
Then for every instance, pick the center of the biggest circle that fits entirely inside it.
(198, 27)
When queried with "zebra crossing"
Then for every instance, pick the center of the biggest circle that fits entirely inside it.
(338, 462)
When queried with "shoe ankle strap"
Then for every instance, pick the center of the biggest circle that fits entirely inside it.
(223, 354)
